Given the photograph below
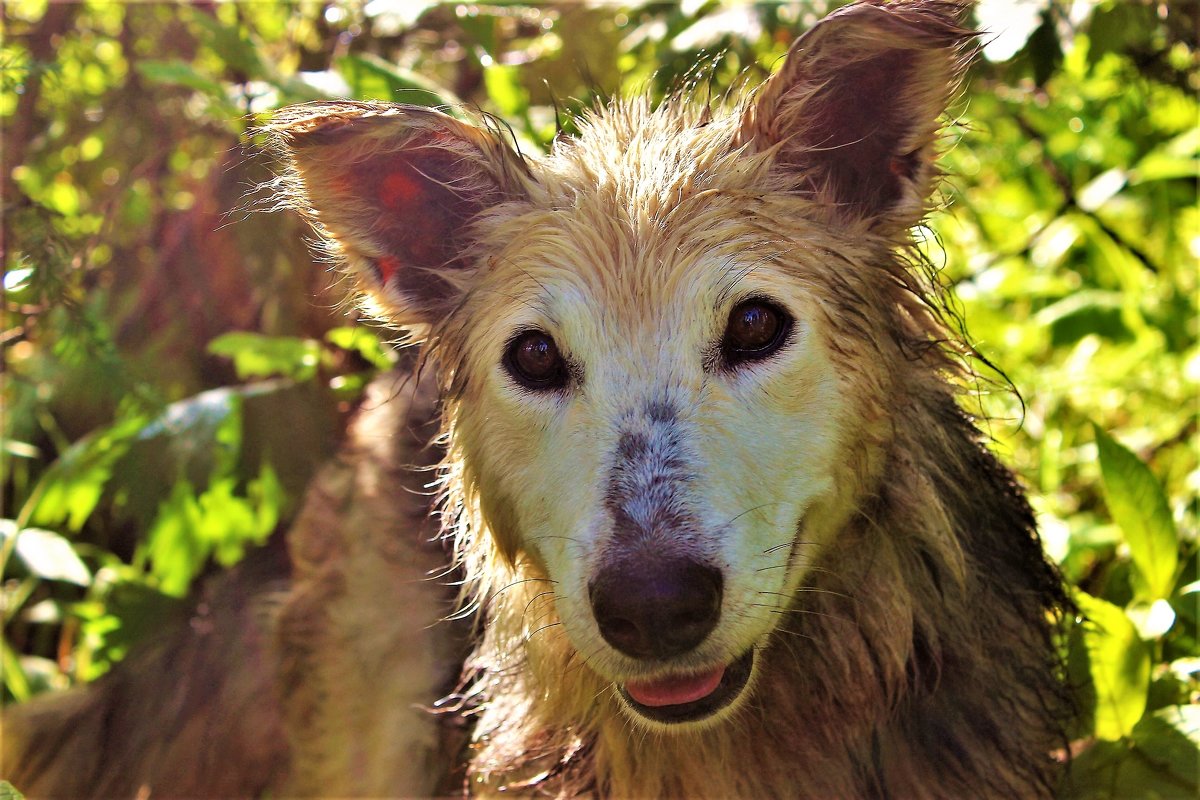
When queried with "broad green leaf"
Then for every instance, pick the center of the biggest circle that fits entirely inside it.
(1152, 620)
(231, 43)
(1119, 662)
(1101, 189)
(1164, 166)
(372, 78)
(1171, 737)
(9, 792)
(176, 552)
(505, 90)
(1178, 158)
(219, 522)
(1137, 503)
(365, 343)
(69, 490)
(1116, 771)
(181, 73)
(46, 554)
(255, 355)
(14, 673)
(1085, 312)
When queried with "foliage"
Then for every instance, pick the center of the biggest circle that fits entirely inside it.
(171, 382)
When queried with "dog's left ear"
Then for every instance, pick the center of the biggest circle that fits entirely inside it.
(394, 192)
(854, 110)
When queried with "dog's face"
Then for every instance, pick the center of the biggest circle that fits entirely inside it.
(649, 402)
(651, 415)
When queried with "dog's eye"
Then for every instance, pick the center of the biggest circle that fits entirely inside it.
(534, 362)
(756, 329)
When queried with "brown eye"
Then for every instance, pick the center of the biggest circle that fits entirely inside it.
(756, 329)
(534, 362)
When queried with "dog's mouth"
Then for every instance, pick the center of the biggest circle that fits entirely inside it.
(692, 697)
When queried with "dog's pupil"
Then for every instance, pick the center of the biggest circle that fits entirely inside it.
(754, 327)
(537, 356)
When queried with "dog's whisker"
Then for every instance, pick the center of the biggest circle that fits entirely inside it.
(804, 612)
(569, 539)
(805, 590)
(798, 634)
(758, 507)
(789, 544)
(539, 630)
(537, 597)
(496, 593)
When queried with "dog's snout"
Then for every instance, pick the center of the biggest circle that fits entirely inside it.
(652, 609)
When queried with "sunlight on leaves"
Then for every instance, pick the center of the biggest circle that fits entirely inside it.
(1120, 667)
(46, 554)
(1137, 503)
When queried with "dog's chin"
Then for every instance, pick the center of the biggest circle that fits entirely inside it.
(689, 701)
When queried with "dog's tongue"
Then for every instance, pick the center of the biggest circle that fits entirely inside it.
(675, 691)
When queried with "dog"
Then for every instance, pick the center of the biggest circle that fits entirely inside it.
(722, 521)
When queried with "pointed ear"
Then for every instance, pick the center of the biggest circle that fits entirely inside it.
(854, 110)
(392, 190)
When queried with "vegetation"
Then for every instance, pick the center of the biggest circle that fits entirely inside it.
(176, 367)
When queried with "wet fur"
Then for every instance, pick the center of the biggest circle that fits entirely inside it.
(909, 649)
(904, 626)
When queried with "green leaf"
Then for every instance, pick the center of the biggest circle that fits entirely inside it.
(1170, 737)
(365, 343)
(1137, 504)
(122, 613)
(1119, 665)
(372, 78)
(1152, 620)
(1116, 771)
(256, 355)
(1178, 158)
(9, 792)
(504, 88)
(181, 73)
(1082, 313)
(231, 44)
(219, 522)
(177, 554)
(47, 554)
(14, 673)
(69, 490)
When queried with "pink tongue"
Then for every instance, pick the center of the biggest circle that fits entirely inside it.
(675, 691)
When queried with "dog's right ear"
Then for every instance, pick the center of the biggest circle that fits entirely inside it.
(392, 190)
(852, 115)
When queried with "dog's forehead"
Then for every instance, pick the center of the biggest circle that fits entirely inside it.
(646, 160)
(645, 210)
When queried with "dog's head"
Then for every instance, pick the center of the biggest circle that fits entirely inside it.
(660, 344)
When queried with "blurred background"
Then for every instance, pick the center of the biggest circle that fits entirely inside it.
(176, 366)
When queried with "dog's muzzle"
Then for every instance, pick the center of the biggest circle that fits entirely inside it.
(654, 610)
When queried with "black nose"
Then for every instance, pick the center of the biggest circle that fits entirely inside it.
(655, 609)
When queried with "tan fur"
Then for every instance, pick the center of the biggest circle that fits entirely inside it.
(879, 562)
